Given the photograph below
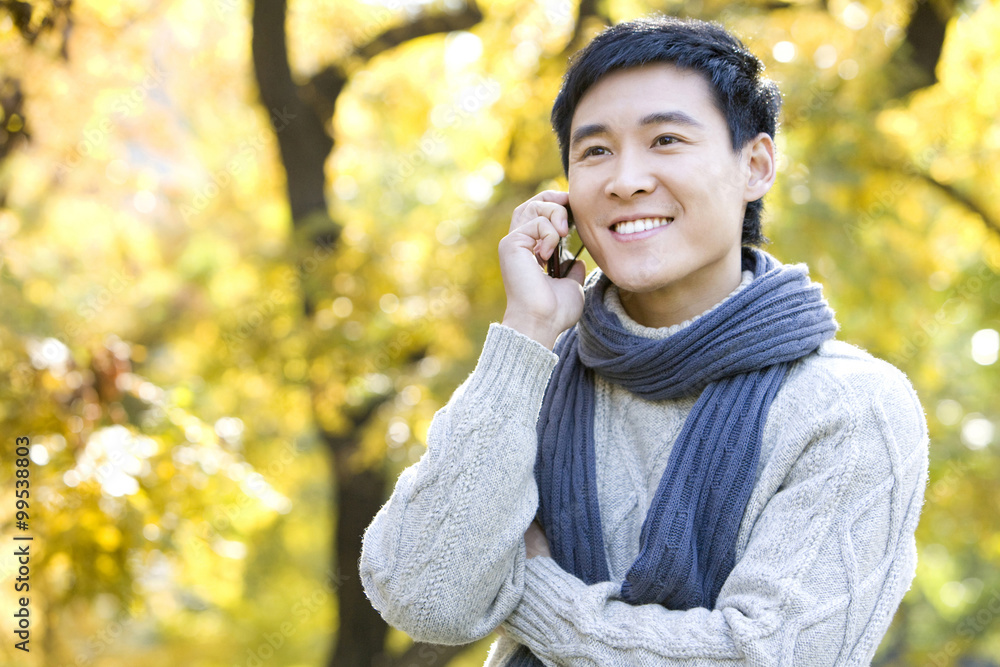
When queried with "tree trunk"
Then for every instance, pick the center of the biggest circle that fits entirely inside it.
(297, 115)
(361, 631)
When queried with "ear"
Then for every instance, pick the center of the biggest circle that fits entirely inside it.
(759, 155)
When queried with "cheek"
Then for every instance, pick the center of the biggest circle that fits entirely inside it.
(588, 242)
(582, 201)
(577, 188)
(713, 171)
(730, 177)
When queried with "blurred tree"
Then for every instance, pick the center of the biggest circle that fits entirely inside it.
(305, 147)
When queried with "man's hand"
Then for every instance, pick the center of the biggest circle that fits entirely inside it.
(535, 543)
(539, 306)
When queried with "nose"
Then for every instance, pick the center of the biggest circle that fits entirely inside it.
(631, 176)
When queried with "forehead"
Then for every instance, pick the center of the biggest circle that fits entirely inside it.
(638, 91)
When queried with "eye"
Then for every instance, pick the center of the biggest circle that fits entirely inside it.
(666, 140)
(595, 150)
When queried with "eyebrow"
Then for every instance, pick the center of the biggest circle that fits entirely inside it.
(676, 117)
(656, 118)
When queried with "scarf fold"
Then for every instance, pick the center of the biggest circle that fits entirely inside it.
(734, 358)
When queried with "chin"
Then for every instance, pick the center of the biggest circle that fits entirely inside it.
(635, 284)
(638, 279)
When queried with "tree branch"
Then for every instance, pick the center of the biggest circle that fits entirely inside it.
(922, 46)
(420, 27)
(324, 87)
(302, 138)
(587, 9)
(360, 417)
(991, 223)
(925, 35)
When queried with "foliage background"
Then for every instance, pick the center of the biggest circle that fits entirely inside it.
(200, 385)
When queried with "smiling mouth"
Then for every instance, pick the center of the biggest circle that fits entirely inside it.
(640, 225)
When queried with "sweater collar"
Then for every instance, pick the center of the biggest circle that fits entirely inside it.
(612, 301)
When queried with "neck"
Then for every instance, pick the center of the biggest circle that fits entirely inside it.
(677, 302)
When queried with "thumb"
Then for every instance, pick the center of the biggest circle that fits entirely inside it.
(577, 272)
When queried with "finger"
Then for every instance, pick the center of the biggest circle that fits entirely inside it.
(555, 196)
(549, 203)
(556, 214)
(515, 248)
(575, 270)
(537, 237)
(536, 544)
(543, 235)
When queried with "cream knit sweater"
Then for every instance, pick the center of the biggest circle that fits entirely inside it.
(824, 553)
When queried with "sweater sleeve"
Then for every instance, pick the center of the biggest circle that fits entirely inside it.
(443, 560)
(825, 553)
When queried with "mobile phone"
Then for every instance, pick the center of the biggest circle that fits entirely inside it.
(556, 260)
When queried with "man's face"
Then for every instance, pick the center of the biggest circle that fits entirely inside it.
(648, 144)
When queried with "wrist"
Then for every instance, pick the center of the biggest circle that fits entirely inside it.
(540, 332)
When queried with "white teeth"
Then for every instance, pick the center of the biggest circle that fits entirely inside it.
(641, 225)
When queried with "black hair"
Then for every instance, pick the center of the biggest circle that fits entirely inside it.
(749, 102)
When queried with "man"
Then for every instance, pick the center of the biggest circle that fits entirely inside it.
(716, 480)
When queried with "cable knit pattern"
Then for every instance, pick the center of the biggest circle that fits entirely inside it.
(825, 549)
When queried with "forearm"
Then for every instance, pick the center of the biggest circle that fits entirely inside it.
(566, 622)
(443, 560)
(763, 619)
